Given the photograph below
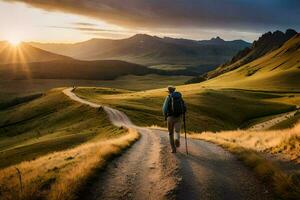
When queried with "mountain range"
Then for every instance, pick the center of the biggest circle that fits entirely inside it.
(27, 62)
(273, 57)
(153, 51)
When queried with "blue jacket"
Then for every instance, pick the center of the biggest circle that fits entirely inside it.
(167, 100)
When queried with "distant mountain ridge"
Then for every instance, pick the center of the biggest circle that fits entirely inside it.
(151, 50)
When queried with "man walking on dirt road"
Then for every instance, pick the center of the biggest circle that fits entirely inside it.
(173, 109)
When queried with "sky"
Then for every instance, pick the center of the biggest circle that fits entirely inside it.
(78, 20)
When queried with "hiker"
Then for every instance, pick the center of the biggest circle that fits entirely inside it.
(173, 109)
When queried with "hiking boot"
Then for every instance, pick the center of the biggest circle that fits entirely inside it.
(177, 143)
(173, 151)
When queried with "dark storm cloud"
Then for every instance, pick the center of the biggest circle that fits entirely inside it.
(235, 14)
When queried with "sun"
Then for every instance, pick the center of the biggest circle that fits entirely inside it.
(14, 41)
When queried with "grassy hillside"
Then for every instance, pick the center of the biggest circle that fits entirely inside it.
(208, 109)
(151, 50)
(267, 43)
(278, 70)
(47, 124)
(12, 89)
(10, 101)
(72, 69)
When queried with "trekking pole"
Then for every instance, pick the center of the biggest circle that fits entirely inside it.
(184, 127)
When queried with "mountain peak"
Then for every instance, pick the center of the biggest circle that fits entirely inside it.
(213, 41)
(142, 36)
(217, 39)
(290, 32)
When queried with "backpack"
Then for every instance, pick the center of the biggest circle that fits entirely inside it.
(176, 105)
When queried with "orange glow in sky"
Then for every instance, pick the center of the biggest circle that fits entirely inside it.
(22, 22)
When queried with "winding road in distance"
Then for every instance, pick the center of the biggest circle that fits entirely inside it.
(148, 170)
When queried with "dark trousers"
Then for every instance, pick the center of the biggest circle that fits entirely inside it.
(174, 123)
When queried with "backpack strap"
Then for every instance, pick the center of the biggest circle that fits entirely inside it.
(170, 105)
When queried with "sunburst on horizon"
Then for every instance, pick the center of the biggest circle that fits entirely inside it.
(17, 55)
(14, 41)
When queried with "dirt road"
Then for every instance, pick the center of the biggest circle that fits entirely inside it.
(272, 122)
(149, 171)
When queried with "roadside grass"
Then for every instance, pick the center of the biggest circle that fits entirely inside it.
(208, 109)
(60, 175)
(49, 123)
(249, 146)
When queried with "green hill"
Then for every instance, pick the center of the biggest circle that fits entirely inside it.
(209, 109)
(267, 43)
(277, 70)
(72, 69)
(46, 124)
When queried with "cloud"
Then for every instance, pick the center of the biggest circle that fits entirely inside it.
(91, 29)
(84, 24)
(83, 28)
(156, 14)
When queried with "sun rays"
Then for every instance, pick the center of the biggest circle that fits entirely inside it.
(14, 42)
(15, 54)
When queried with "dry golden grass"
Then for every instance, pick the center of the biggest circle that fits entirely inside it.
(286, 141)
(59, 175)
(247, 145)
